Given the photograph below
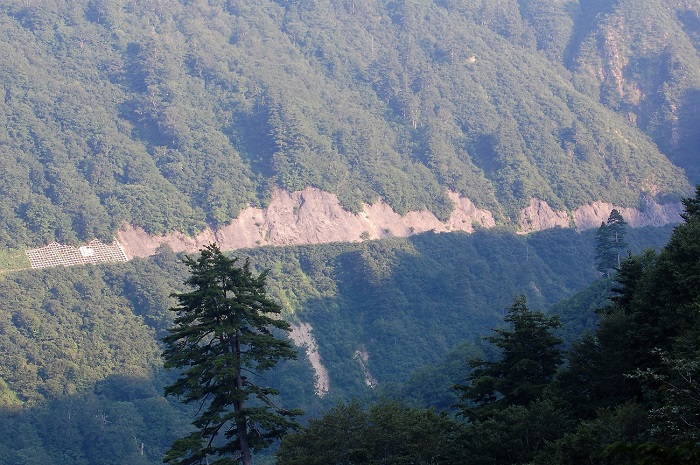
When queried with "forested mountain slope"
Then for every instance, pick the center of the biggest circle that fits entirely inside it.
(177, 115)
(171, 115)
(81, 351)
(624, 394)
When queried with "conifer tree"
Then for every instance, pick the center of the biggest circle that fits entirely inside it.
(617, 227)
(602, 249)
(692, 206)
(529, 361)
(222, 333)
(610, 242)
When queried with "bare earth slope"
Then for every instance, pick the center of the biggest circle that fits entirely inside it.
(312, 216)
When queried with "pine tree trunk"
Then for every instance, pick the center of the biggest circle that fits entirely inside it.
(241, 427)
(246, 457)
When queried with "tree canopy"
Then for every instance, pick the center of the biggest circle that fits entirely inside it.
(222, 337)
(177, 115)
(610, 242)
(385, 433)
(530, 356)
(76, 391)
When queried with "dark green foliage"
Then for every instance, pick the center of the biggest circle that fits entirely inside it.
(665, 72)
(530, 356)
(595, 374)
(386, 433)
(432, 386)
(610, 243)
(223, 335)
(515, 434)
(586, 441)
(605, 256)
(677, 416)
(86, 337)
(599, 366)
(650, 453)
(61, 330)
(448, 285)
(579, 313)
(79, 371)
(122, 419)
(617, 229)
(645, 346)
(633, 327)
(692, 206)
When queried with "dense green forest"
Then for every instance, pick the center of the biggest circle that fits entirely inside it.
(81, 352)
(626, 394)
(175, 114)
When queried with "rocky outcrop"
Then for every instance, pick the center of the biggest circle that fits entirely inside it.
(539, 215)
(362, 356)
(651, 214)
(310, 216)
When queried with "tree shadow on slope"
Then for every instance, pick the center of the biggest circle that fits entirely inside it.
(122, 419)
(587, 16)
(685, 139)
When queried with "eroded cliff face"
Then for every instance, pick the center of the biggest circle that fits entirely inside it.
(651, 214)
(312, 216)
(539, 215)
(303, 338)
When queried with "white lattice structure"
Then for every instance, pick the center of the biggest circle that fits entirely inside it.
(94, 252)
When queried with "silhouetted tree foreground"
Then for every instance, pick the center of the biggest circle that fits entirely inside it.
(625, 394)
(223, 331)
(529, 360)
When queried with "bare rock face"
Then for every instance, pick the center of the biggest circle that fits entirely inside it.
(652, 214)
(539, 215)
(465, 215)
(310, 216)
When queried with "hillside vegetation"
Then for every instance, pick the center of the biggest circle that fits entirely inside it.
(175, 115)
(172, 115)
(624, 394)
(81, 345)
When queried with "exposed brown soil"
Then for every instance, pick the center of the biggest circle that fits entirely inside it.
(312, 216)
(539, 215)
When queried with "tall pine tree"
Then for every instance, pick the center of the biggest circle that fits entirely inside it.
(610, 242)
(223, 332)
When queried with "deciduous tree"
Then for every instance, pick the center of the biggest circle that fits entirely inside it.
(386, 433)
